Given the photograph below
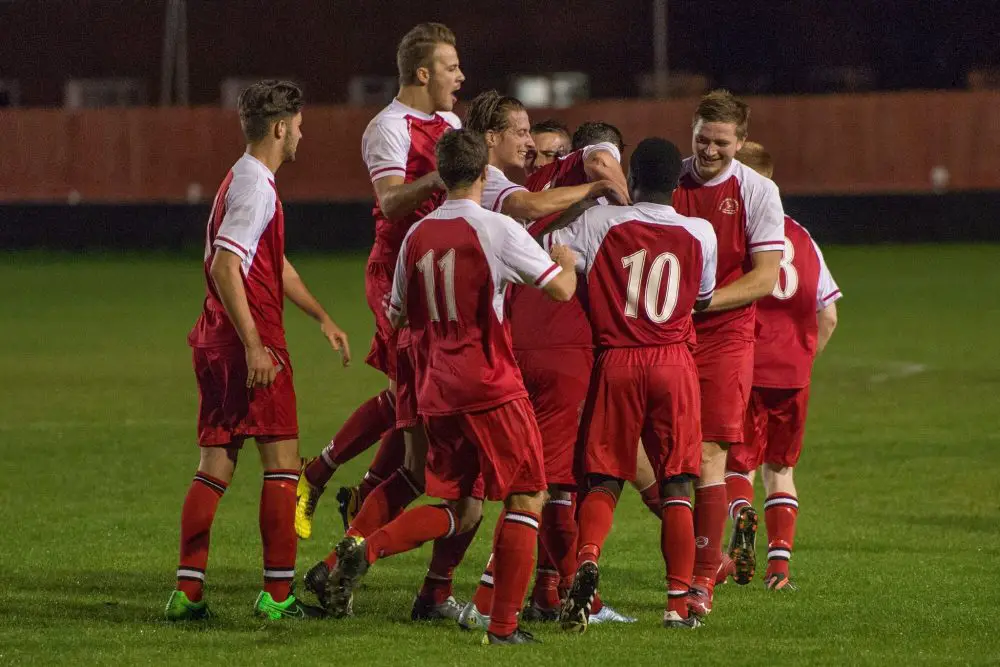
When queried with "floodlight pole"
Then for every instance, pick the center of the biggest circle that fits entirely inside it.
(661, 71)
(175, 56)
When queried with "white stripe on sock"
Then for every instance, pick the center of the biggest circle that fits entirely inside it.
(521, 518)
(781, 554)
(564, 503)
(281, 475)
(777, 502)
(279, 574)
(486, 579)
(326, 455)
(190, 574)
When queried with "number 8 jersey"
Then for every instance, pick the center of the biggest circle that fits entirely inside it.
(646, 266)
(450, 278)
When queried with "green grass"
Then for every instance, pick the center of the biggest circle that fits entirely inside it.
(897, 553)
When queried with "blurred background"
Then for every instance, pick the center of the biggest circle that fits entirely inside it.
(883, 115)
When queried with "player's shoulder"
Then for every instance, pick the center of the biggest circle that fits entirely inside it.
(391, 119)
(451, 118)
(750, 179)
(251, 177)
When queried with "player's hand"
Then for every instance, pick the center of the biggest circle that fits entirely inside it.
(613, 191)
(338, 340)
(261, 367)
(563, 256)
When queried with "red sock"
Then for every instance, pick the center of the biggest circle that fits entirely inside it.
(448, 552)
(557, 536)
(780, 512)
(389, 456)
(361, 430)
(739, 490)
(677, 545)
(196, 525)
(411, 529)
(597, 513)
(513, 560)
(382, 505)
(710, 508)
(483, 597)
(651, 497)
(277, 531)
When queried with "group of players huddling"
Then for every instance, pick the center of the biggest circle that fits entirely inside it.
(544, 344)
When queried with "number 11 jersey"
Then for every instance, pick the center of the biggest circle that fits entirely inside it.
(451, 274)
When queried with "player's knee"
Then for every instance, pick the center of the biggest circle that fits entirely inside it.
(469, 512)
(526, 502)
(557, 492)
(677, 486)
(612, 485)
(713, 461)
(219, 462)
(279, 455)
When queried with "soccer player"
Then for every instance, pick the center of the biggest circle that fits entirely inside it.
(241, 359)
(745, 211)
(646, 268)
(452, 271)
(503, 121)
(794, 324)
(552, 141)
(553, 345)
(398, 149)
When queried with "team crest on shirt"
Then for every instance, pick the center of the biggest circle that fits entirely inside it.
(729, 206)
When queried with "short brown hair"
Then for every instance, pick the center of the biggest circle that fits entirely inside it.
(265, 102)
(416, 49)
(490, 111)
(721, 106)
(757, 158)
(461, 157)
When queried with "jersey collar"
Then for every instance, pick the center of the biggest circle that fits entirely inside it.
(410, 111)
(716, 180)
(259, 165)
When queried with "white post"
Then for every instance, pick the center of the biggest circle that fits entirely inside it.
(661, 72)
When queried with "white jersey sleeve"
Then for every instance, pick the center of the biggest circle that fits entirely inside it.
(827, 291)
(709, 261)
(521, 260)
(385, 146)
(603, 146)
(497, 188)
(582, 236)
(765, 215)
(250, 206)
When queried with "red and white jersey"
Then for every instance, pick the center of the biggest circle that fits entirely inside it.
(786, 321)
(567, 170)
(745, 211)
(247, 220)
(537, 322)
(497, 188)
(400, 141)
(646, 266)
(449, 283)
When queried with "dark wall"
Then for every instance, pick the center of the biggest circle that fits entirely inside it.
(336, 227)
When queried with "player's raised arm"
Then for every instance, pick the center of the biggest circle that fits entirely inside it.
(398, 199)
(603, 166)
(297, 292)
(524, 205)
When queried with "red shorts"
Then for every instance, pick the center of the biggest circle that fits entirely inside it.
(649, 393)
(725, 373)
(378, 284)
(502, 445)
(557, 383)
(775, 426)
(406, 387)
(228, 412)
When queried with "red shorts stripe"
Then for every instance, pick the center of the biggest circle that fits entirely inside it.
(228, 412)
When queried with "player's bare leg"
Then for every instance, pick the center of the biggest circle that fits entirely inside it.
(216, 467)
(645, 482)
(677, 546)
(710, 511)
(597, 511)
(361, 430)
(780, 513)
(280, 461)
(515, 540)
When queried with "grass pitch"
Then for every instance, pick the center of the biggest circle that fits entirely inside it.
(897, 550)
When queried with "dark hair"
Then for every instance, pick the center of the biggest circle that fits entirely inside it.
(655, 166)
(461, 157)
(550, 125)
(265, 102)
(757, 158)
(416, 49)
(490, 111)
(595, 132)
(721, 106)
